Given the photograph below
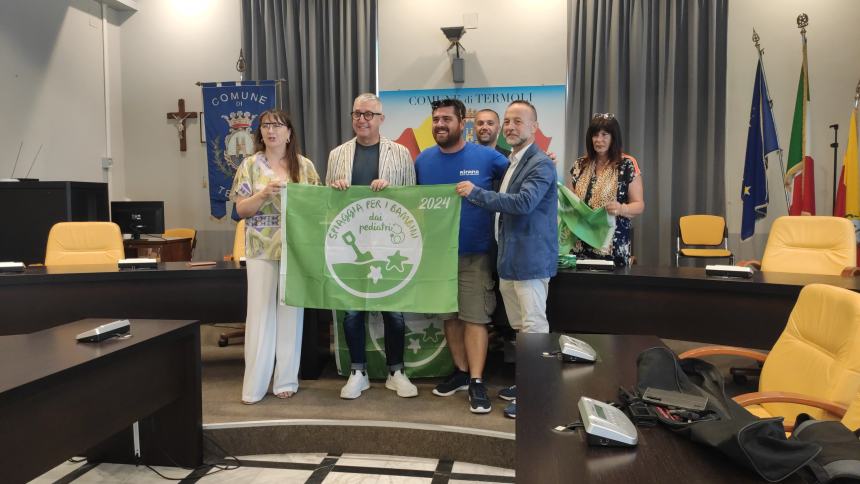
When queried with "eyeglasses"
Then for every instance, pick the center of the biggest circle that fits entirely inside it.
(367, 115)
(603, 116)
(272, 125)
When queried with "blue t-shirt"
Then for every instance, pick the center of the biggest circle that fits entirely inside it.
(477, 164)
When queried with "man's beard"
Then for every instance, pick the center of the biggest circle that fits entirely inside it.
(489, 139)
(451, 141)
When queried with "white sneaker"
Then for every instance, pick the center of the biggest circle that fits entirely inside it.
(357, 383)
(401, 384)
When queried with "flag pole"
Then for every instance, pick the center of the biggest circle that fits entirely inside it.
(835, 146)
(756, 39)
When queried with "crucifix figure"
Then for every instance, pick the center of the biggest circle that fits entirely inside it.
(180, 116)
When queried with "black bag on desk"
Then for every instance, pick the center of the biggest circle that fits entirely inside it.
(839, 460)
(758, 444)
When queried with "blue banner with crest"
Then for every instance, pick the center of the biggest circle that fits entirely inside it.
(231, 114)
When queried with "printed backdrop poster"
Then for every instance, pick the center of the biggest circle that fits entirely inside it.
(231, 112)
(407, 113)
(392, 250)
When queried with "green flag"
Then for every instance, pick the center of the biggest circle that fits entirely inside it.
(579, 221)
(393, 250)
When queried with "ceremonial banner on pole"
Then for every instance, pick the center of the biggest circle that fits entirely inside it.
(761, 141)
(231, 112)
(392, 250)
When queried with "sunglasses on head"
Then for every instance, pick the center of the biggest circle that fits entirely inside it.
(603, 116)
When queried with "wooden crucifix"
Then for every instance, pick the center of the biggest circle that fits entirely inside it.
(180, 117)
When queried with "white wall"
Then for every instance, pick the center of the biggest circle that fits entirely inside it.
(834, 69)
(51, 83)
(52, 90)
(532, 36)
(168, 46)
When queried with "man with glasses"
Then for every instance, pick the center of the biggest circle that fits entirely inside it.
(526, 226)
(374, 160)
(453, 160)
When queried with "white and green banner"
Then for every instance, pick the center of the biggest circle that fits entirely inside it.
(392, 250)
(426, 354)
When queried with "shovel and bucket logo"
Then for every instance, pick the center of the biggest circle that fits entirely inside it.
(373, 247)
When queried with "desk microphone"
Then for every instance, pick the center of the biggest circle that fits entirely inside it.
(105, 331)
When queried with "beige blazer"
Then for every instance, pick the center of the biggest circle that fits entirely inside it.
(395, 163)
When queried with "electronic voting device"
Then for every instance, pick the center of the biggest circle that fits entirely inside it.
(605, 425)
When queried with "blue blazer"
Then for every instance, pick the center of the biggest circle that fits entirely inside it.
(528, 224)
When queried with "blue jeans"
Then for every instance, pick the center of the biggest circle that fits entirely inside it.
(395, 334)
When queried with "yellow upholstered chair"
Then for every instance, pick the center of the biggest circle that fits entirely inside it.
(238, 251)
(851, 419)
(809, 245)
(814, 367)
(183, 233)
(77, 243)
(702, 230)
(238, 243)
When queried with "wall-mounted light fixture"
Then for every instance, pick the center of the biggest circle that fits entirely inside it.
(454, 34)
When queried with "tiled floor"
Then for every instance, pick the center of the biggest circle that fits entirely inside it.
(293, 468)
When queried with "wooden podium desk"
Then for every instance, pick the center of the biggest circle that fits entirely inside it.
(680, 303)
(170, 249)
(60, 398)
(548, 391)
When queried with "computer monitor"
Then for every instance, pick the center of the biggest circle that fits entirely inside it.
(137, 218)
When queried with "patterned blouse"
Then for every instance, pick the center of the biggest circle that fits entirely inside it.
(597, 190)
(263, 229)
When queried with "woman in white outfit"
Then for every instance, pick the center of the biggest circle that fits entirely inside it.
(273, 331)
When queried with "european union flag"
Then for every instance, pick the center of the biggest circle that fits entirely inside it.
(761, 141)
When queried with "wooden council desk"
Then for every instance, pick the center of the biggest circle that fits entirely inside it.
(548, 392)
(44, 297)
(171, 249)
(679, 303)
(60, 398)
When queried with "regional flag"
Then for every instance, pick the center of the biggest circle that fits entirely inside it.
(761, 141)
(356, 249)
(799, 170)
(848, 190)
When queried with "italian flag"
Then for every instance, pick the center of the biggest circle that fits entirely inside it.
(799, 171)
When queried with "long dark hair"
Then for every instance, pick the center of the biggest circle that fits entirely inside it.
(608, 123)
(281, 116)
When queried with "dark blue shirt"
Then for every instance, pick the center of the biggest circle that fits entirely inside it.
(365, 164)
(477, 164)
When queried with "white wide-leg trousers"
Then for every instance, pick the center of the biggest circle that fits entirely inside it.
(273, 335)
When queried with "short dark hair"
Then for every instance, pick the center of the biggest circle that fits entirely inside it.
(609, 124)
(459, 107)
(525, 103)
(488, 110)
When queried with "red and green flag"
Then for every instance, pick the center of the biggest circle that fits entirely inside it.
(799, 170)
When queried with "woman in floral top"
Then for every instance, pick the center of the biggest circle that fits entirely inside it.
(605, 177)
(273, 331)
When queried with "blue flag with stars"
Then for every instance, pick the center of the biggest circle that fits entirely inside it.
(761, 141)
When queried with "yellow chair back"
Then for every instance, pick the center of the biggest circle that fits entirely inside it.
(818, 353)
(78, 243)
(810, 245)
(181, 233)
(239, 240)
(702, 229)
